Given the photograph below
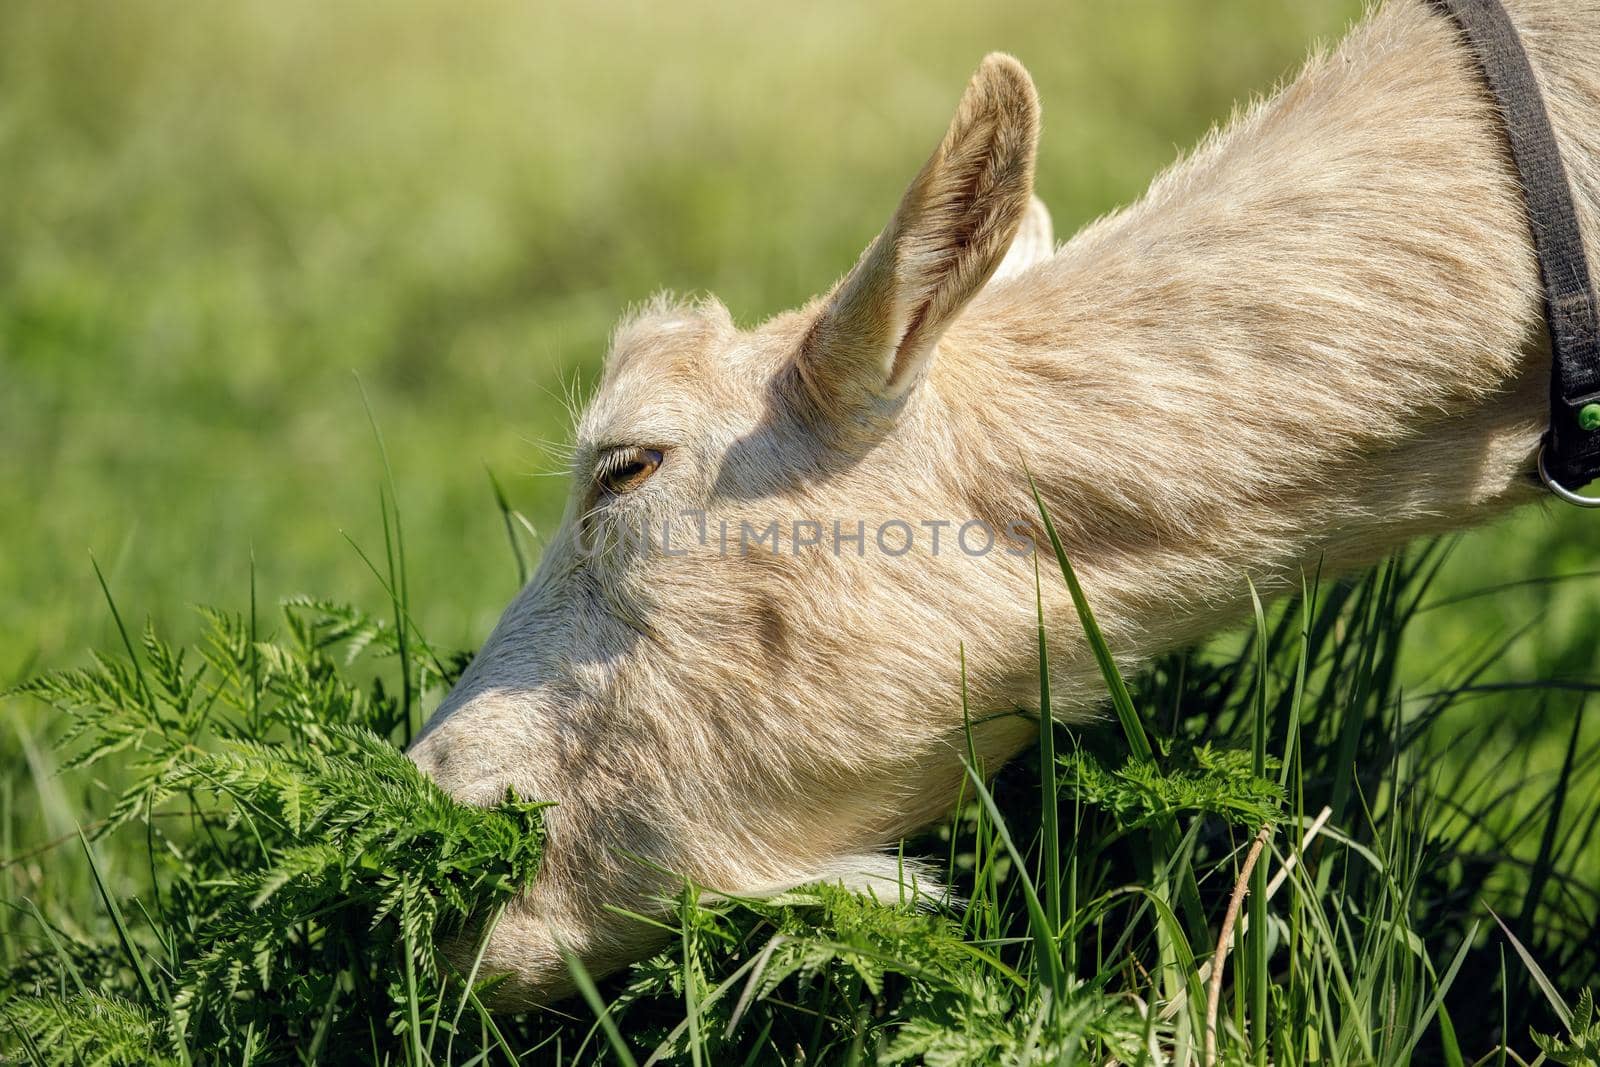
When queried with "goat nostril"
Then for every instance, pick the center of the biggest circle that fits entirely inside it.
(430, 758)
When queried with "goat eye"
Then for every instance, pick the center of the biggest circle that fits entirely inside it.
(622, 469)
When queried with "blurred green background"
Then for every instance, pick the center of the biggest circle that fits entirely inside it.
(213, 217)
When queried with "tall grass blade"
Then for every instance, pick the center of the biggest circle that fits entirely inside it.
(122, 632)
(1127, 714)
(1256, 935)
(1121, 699)
(507, 515)
(1050, 860)
(591, 996)
(395, 551)
(124, 938)
(1436, 1004)
(1045, 948)
(1562, 1010)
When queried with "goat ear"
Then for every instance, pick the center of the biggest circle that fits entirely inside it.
(1034, 243)
(878, 329)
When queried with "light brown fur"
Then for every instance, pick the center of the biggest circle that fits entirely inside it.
(1318, 336)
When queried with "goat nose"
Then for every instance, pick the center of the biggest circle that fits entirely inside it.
(443, 754)
(472, 760)
(427, 754)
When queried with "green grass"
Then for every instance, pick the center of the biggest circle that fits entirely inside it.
(302, 894)
(212, 220)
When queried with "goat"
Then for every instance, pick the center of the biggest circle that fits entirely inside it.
(1318, 336)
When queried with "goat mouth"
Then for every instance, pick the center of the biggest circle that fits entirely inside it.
(521, 963)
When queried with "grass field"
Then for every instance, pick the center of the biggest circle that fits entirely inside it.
(218, 227)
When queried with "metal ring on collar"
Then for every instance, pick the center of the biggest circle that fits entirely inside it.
(1562, 491)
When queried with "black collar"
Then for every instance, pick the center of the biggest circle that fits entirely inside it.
(1569, 456)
